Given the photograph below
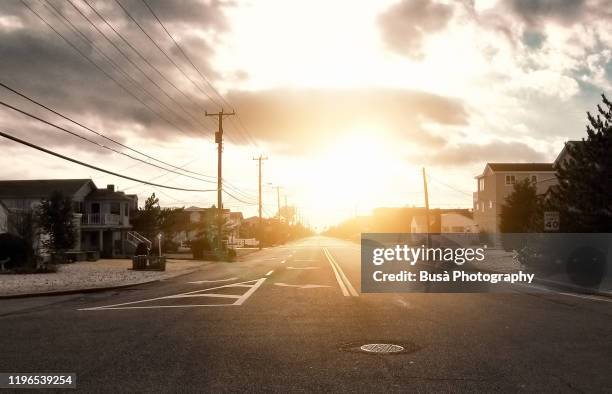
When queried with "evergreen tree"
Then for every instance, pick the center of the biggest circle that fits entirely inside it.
(521, 210)
(56, 220)
(584, 194)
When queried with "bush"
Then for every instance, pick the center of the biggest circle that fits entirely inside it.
(14, 248)
(199, 246)
(170, 246)
(231, 254)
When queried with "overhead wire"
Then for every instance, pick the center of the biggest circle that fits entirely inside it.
(50, 152)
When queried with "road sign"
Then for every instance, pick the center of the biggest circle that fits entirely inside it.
(551, 221)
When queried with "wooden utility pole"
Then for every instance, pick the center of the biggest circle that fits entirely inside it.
(219, 141)
(278, 202)
(259, 159)
(426, 206)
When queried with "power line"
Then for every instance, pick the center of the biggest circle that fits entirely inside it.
(113, 63)
(90, 129)
(140, 55)
(15, 139)
(248, 138)
(102, 70)
(164, 52)
(98, 144)
(136, 66)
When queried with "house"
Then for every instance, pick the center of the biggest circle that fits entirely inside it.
(497, 182)
(102, 216)
(459, 221)
(207, 216)
(444, 221)
(4, 218)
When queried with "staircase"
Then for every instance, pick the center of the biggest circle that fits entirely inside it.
(135, 239)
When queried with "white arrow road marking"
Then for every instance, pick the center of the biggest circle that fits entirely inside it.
(300, 286)
(253, 285)
(303, 268)
(198, 282)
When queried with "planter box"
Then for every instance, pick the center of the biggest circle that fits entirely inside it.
(152, 263)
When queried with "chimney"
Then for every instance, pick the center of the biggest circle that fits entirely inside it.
(110, 188)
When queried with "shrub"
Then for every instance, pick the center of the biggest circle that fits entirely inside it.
(15, 249)
(231, 254)
(198, 246)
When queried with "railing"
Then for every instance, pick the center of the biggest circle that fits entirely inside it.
(101, 219)
(135, 238)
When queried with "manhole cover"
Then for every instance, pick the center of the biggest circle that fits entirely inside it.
(382, 348)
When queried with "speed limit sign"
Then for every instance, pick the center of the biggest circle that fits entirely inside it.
(551, 221)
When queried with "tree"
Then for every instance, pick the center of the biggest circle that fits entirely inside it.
(57, 221)
(584, 194)
(146, 220)
(521, 210)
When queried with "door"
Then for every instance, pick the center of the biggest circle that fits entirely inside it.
(107, 244)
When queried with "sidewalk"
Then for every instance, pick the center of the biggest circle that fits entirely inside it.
(87, 276)
(500, 261)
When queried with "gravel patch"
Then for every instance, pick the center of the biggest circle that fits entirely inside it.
(87, 275)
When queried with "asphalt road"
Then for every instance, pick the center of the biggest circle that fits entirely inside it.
(287, 319)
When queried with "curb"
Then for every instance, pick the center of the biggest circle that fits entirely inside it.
(574, 288)
(563, 286)
(90, 289)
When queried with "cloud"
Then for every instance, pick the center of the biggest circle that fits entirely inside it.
(562, 11)
(405, 25)
(299, 120)
(38, 62)
(494, 151)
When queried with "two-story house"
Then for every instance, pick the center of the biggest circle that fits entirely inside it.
(101, 215)
(497, 181)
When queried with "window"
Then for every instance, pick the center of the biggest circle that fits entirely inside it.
(115, 208)
(490, 204)
(480, 184)
(510, 180)
(534, 179)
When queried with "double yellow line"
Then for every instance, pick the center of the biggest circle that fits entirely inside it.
(345, 285)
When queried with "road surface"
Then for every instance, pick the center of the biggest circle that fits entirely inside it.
(290, 318)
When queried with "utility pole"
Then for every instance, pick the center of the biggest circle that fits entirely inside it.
(278, 202)
(219, 141)
(287, 211)
(426, 206)
(259, 159)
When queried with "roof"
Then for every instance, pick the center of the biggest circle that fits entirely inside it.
(562, 155)
(536, 167)
(105, 194)
(40, 188)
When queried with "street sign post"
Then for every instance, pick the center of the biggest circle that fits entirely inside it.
(551, 221)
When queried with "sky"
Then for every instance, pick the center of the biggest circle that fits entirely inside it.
(348, 100)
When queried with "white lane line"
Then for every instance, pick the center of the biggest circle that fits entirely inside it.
(304, 261)
(198, 282)
(283, 262)
(239, 299)
(303, 268)
(340, 283)
(340, 274)
(269, 273)
(309, 286)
